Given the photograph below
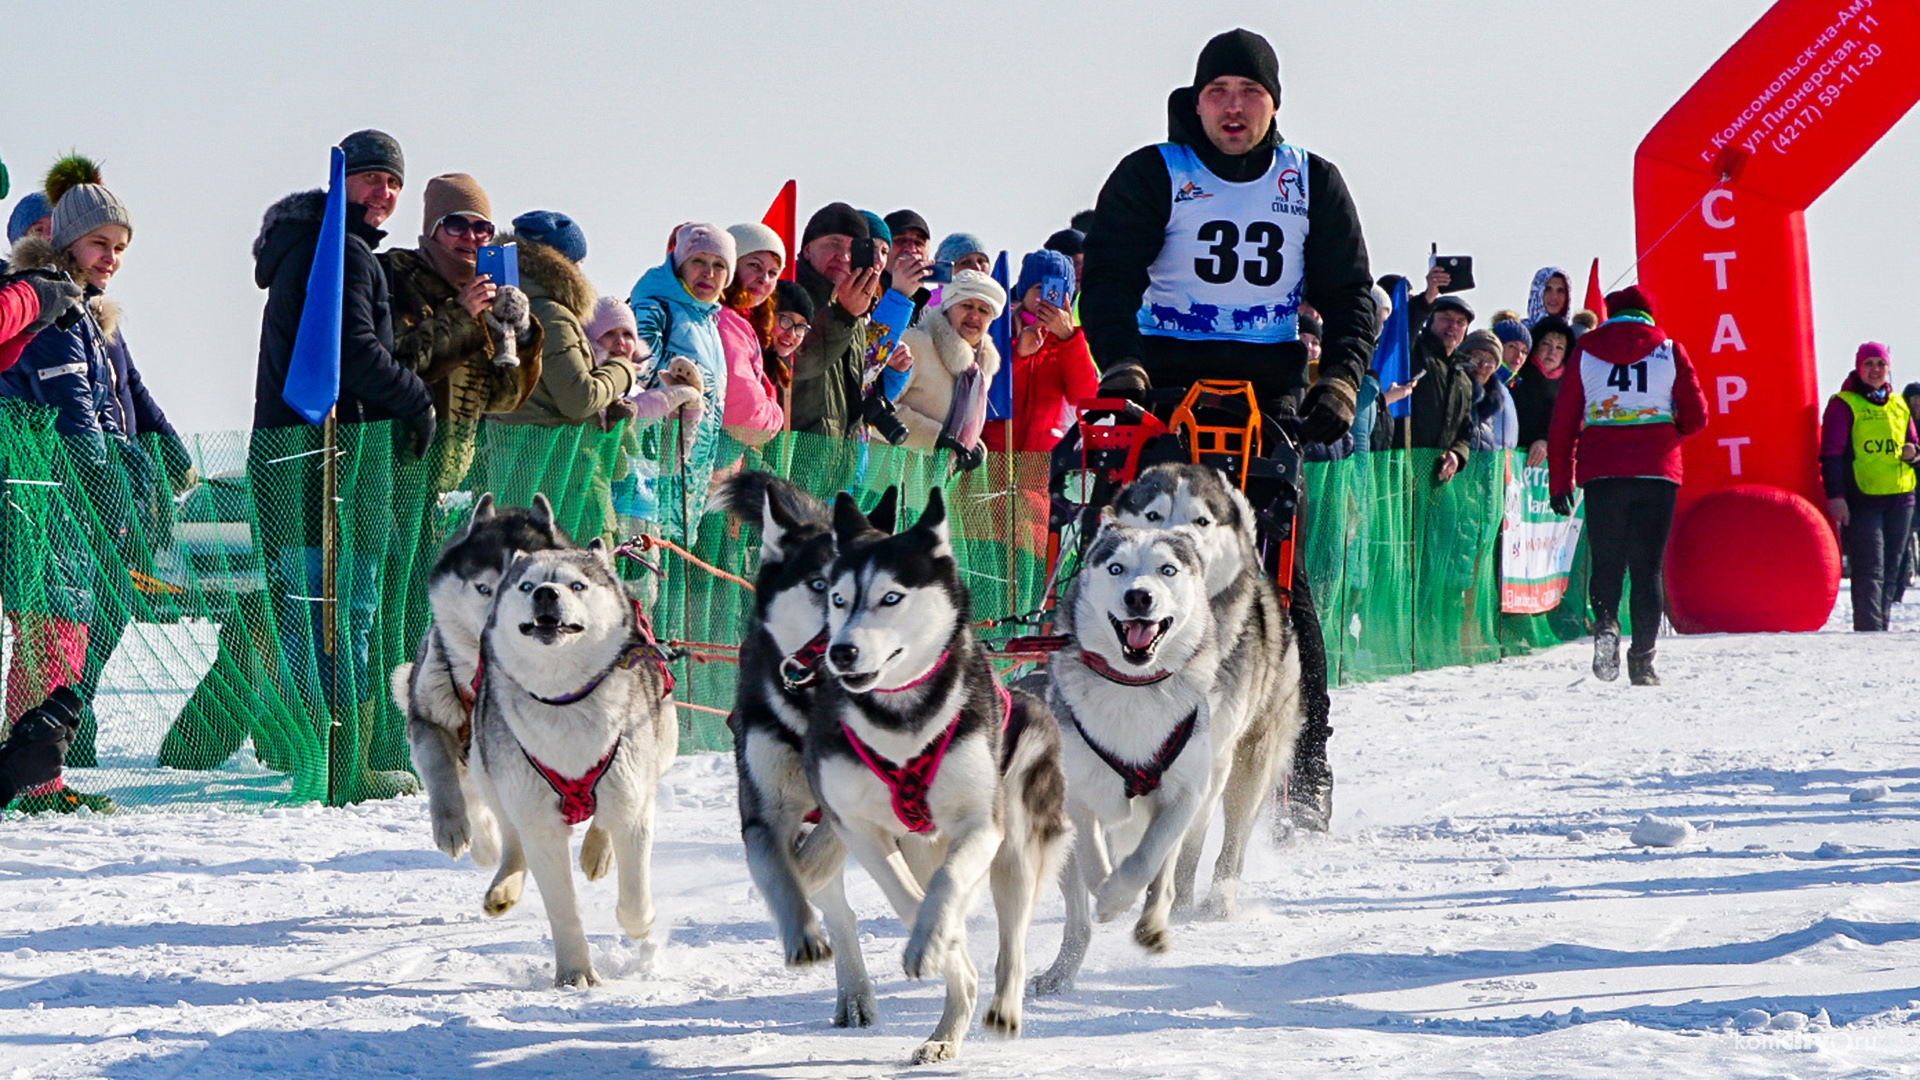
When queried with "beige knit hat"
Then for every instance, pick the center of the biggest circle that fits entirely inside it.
(453, 193)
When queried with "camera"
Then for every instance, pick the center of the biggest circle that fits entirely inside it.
(878, 412)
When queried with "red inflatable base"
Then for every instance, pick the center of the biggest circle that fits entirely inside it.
(1751, 559)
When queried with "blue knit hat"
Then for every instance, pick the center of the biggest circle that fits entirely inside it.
(877, 227)
(31, 208)
(958, 246)
(556, 230)
(1512, 330)
(1039, 265)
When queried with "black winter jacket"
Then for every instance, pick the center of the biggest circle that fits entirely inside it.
(1442, 417)
(1129, 228)
(1533, 398)
(372, 386)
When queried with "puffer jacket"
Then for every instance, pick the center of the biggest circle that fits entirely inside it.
(572, 388)
(1057, 376)
(372, 386)
(827, 366)
(1442, 414)
(752, 412)
(672, 323)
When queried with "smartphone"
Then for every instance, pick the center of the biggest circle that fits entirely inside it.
(1053, 289)
(941, 273)
(1459, 270)
(500, 262)
(863, 254)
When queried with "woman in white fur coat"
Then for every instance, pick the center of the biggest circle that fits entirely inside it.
(947, 341)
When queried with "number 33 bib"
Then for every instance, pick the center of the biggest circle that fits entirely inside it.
(1232, 263)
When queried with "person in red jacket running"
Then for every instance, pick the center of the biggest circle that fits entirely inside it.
(1616, 432)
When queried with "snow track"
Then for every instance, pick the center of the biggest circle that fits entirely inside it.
(1478, 911)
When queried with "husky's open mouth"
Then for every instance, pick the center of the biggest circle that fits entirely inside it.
(547, 629)
(1140, 638)
(859, 682)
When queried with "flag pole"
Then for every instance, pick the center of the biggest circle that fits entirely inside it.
(329, 593)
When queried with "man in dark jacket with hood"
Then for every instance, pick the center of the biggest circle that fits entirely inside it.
(286, 478)
(1202, 250)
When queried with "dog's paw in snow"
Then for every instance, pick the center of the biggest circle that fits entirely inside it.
(1152, 935)
(451, 831)
(935, 1050)
(580, 978)
(1003, 1022)
(1049, 982)
(636, 920)
(926, 953)
(809, 946)
(501, 898)
(856, 1007)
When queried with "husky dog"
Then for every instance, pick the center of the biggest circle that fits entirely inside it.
(436, 690)
(1257, 693)
(574, 720)
(1133, 693)
(936, 778)
(779, 673)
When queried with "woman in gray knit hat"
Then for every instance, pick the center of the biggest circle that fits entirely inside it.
(85, 374)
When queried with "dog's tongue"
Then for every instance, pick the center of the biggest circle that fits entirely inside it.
(1140, 633)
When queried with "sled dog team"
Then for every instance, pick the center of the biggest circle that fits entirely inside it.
(868, 721)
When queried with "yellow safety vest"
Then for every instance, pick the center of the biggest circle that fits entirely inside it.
(1878, 433)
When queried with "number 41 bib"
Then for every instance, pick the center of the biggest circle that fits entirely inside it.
(1627, 394)
(1232, 264)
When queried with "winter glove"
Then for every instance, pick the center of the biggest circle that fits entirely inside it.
(964, 459)
(1910, 453)
(419, 432)
(1327, 411)
(37, 747)
(618, 410)
(1563, 504)
(509, 321)
(185, 480)
(1126, 379)
(58, 296)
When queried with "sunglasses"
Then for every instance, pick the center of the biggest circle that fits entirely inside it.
(792, 325)
(458, 225)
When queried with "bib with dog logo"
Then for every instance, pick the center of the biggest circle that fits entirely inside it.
(1879, 431)
(1623, 395)
(1233, 261)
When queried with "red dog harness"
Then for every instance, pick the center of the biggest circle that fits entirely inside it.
(1144, 779)
(577, 798)
(908, 784)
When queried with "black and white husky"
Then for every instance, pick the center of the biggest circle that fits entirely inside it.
(1133, 691)
(780, 672)
(574, 721)
(1257, 693)
(937, 779)
(436, 689)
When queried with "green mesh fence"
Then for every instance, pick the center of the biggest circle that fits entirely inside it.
(236, 649)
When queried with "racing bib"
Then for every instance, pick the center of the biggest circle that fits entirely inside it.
(1231, 266)
(1620, 395)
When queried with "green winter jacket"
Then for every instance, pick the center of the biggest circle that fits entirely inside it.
(572, 390)
(826, 368)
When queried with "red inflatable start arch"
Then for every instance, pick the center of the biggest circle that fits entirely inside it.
(1720, 186)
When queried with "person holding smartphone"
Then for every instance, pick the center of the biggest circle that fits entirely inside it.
(1201, 251)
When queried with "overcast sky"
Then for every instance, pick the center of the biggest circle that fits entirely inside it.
(1504, 130)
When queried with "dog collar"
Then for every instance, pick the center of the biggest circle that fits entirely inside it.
(908, 784)
(1144, 779)
(1099, 666)
(802, 669)
(931, 672)
(577, 798)
(639, 652)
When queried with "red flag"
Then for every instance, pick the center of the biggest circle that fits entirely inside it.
(1596, 301)
(780, 219)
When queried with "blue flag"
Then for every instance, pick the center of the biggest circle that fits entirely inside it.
(313, 372)
(1000, 391)
(1392, 356)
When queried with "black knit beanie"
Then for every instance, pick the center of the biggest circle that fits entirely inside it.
(1067, 242)
(836, 219)
(1243, 53)
(371, 151)
(791, 296)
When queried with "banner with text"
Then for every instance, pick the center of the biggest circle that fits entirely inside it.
(1538, 544)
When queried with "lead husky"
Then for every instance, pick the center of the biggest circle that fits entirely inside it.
(1257, 694)
(574, 720)
(436, 690)
(937, 779)
(1133, 693)
(779, 675)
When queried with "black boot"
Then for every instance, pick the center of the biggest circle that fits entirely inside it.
(1308, 794)
(1640, 668)
(1606, 652)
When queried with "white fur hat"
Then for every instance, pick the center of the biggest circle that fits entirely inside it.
(973, 285)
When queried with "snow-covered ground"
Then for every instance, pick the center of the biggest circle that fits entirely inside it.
(1479, 910)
